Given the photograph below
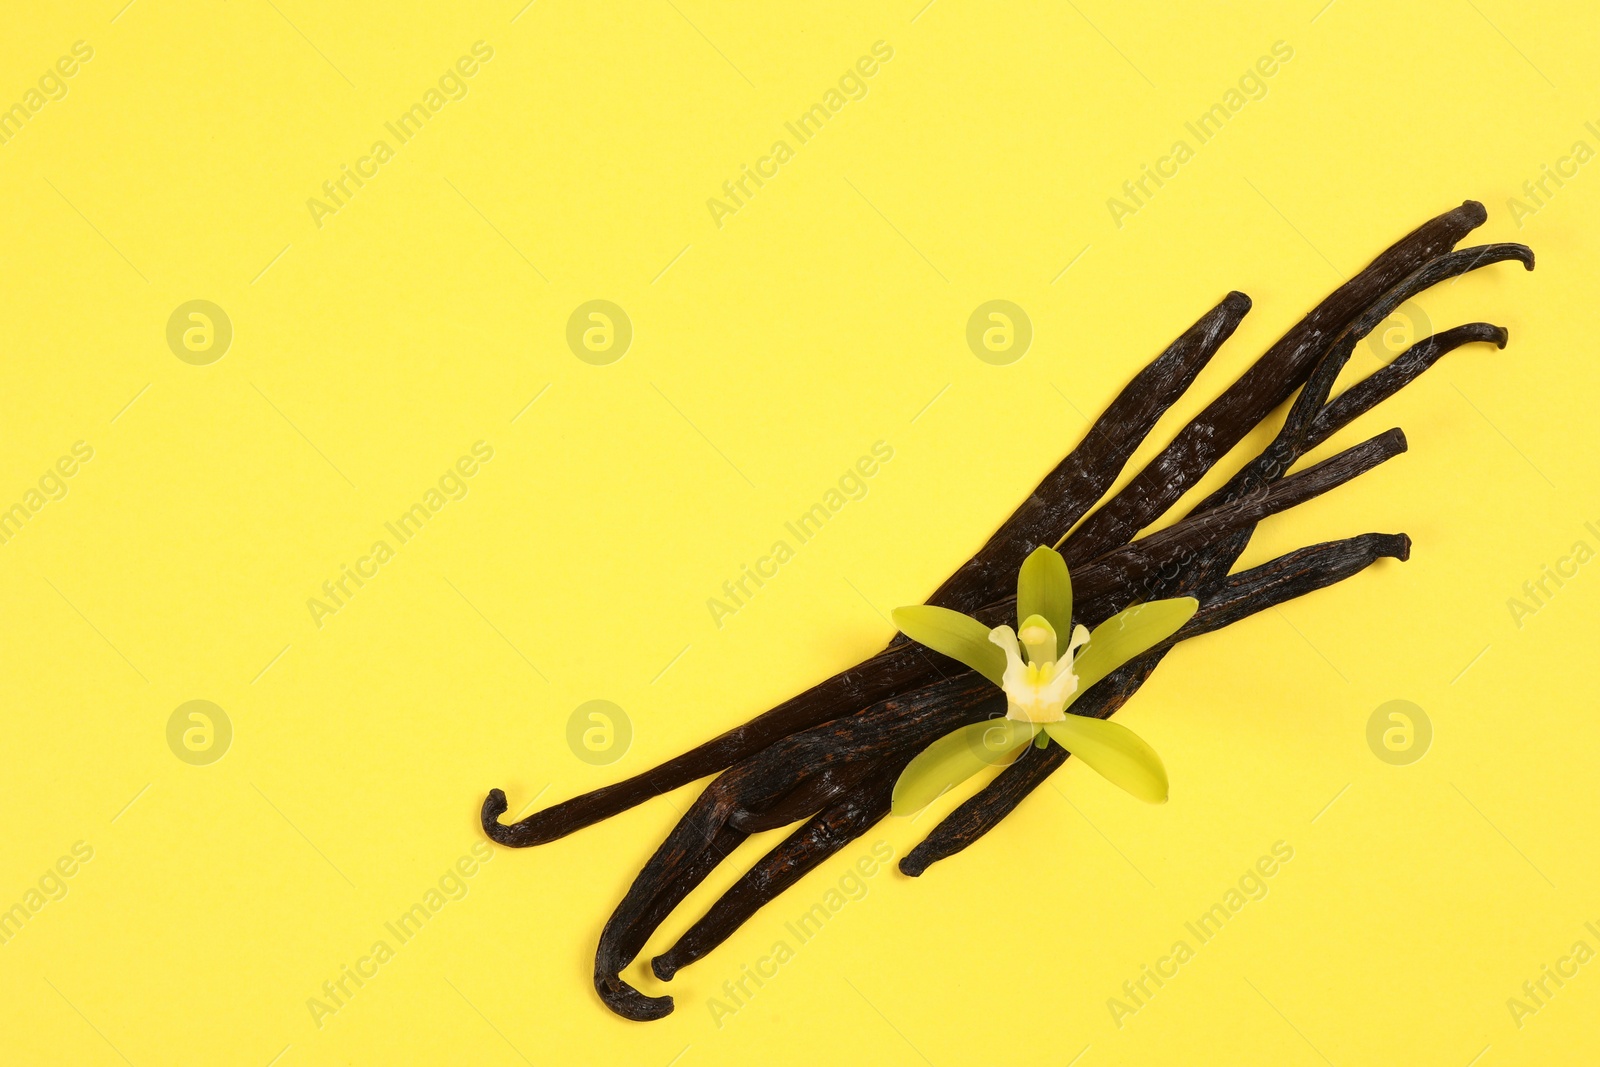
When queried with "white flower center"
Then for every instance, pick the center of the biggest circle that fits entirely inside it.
(1037, 690)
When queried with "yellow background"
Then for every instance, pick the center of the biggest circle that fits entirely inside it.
(827, 314)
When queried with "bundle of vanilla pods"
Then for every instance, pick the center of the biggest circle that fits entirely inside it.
(828, 758)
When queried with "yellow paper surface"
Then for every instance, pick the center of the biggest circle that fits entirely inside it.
(389, 332)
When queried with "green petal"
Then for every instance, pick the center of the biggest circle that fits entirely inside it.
(1043, 588)
(954, 758)
(1129, 633)
(1116, 752)
(958, 636)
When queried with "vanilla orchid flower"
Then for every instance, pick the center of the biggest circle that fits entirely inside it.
(1042, 666)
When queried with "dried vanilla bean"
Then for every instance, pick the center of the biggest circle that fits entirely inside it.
(1060, 500)
(1089, 470)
